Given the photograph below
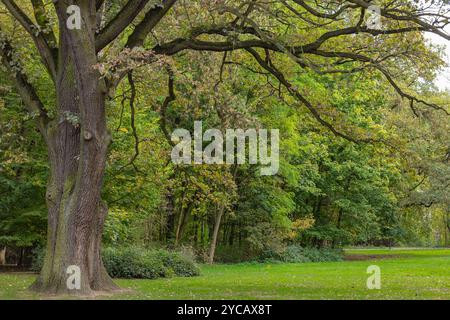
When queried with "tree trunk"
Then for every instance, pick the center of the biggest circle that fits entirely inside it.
(77, 156)
(179, 226)
(2, 256)
(182, 223)
(212, 248)
(20, 258)
(338, 226)
(170, 225)
(446, 229)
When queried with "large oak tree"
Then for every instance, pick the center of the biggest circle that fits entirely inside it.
(322, 36)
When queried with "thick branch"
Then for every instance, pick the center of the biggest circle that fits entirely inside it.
(119, 23)
(321, 14)
(45, 50)
(177, 45)
(151, 19)
(99, 4)
(41, 18)
(26, 91)
(376, 65)
(267, 65)
(192, 43)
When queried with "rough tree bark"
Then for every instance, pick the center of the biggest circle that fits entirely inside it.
(77, 156)
(77, 139)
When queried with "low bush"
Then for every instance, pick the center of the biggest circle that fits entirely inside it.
(139, 263)
(298, 254)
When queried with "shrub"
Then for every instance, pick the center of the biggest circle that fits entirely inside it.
(132, 262)
(177, 263)
(139, 263)
(298, 254)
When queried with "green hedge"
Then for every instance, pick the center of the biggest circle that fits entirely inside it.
(298, 254)
(141, 263)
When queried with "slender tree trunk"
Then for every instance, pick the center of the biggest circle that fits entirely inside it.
(446, 222)
(179, 226)
(338, 226)
(2, 256)
(447, 230)
(212, 248)
(77, 156)
(182, 223)
(202, 232)
(195, 233)
(170, 225)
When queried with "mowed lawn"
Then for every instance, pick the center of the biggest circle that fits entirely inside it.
(405, 274)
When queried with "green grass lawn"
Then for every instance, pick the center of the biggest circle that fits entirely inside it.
(405, 274)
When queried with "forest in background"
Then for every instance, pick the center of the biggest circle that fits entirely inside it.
(389, 188)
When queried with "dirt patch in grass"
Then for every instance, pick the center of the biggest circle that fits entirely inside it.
(363, 257)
